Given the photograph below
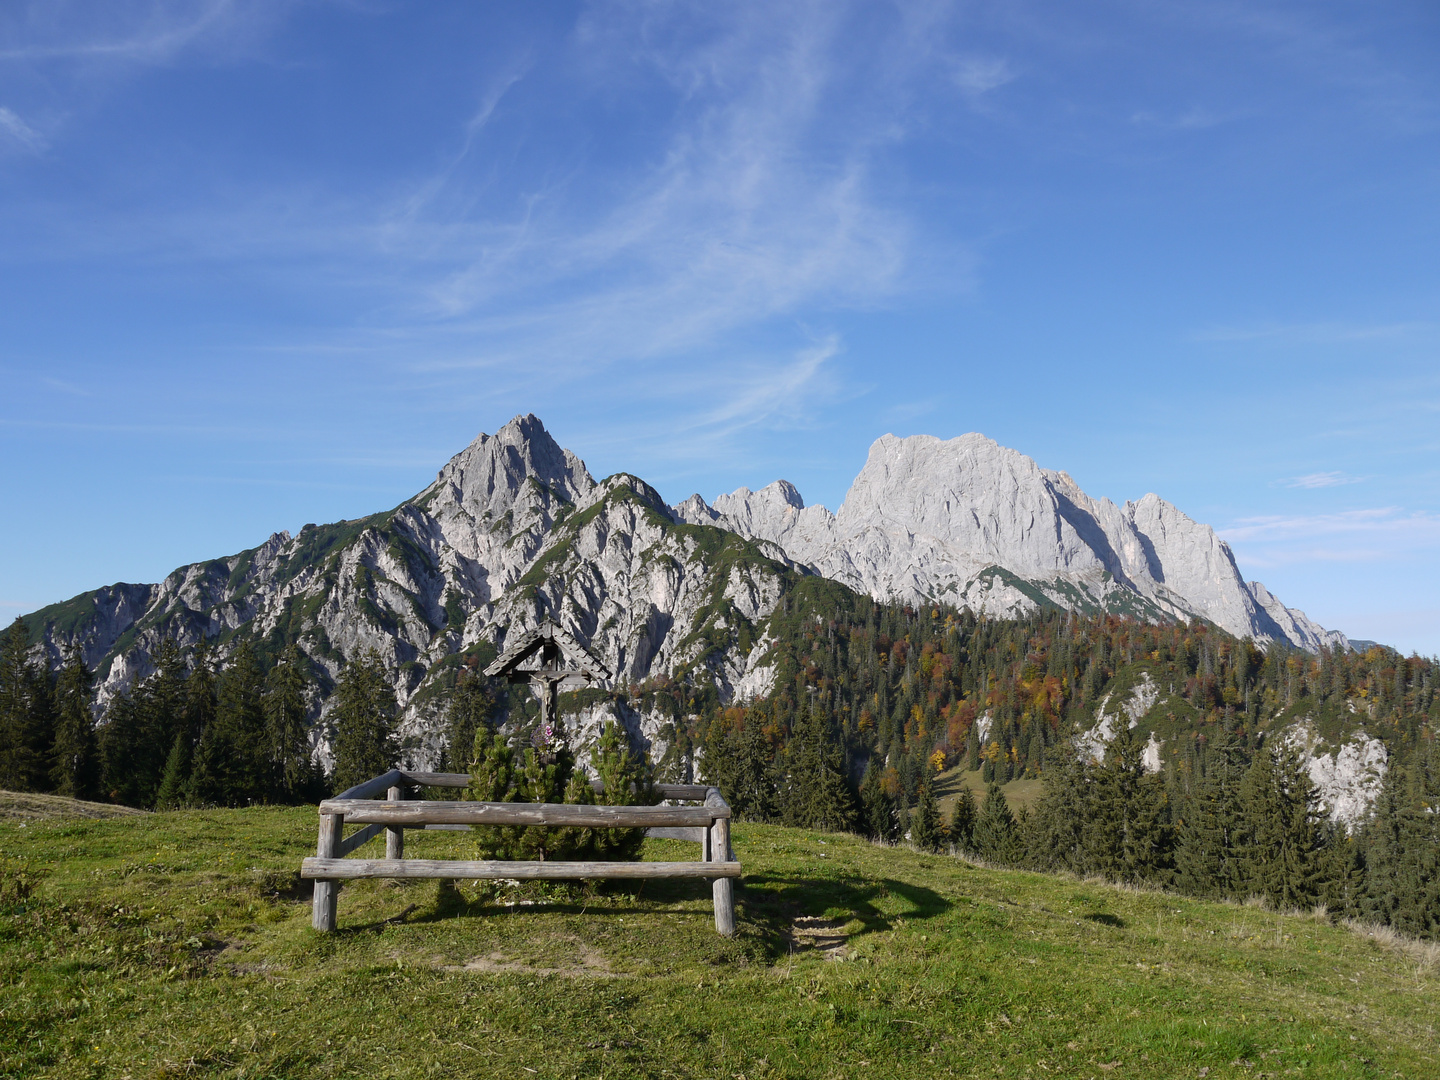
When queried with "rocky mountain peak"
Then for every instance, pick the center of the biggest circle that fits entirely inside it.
(488, 475)
(930, 519)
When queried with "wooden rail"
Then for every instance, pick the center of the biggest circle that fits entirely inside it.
(380, 805)
(552, 870)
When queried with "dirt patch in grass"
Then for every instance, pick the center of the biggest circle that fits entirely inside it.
(824, 936)
(585, 963)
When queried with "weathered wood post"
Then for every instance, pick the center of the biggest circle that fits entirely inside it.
(395, 834)
(722, 890)
(322, 913)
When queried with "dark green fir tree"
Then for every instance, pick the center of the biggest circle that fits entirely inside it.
(962, 820)
(75, 756)
(1211, 834)
(471, 709)
(232, 762)
(877, 807)
(364, 722)
(997, 838)
(817, 791)
(294, 777)
(1283, 855)
(26, 722)
(927, 831)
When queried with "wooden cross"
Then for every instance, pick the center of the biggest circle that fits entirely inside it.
(558, 660)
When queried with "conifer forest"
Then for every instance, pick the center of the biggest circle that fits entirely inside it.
(871, 703)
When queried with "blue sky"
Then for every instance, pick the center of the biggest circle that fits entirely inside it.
(268, 263)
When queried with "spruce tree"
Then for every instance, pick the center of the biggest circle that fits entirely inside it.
(470, 709)
(174, 788)
(232, 762)
(293, 773)
(962, 820)
(75, 757)
(200, 692)
(877, 808)
(817, 792)
(26, 722)
(364, 722)
(926, 829)
(1282, 857)
(1207, 859)
(1058, 832)
(163, 711)
(1126, 835)
(997, 838)
(1402, 848)
(125, 751)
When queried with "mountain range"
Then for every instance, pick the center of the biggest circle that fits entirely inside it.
(514, 528)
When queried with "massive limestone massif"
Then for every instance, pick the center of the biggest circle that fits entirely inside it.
(969, 522)
(515, 529)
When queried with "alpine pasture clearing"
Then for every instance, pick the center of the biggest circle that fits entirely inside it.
(179, 944)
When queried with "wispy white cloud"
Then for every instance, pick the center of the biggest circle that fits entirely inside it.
(151, 31)
(1321, 480)
(18, 132)
(1367, 535)
(981, 74)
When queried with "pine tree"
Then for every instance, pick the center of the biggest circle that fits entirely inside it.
(125, 751)
(997, 838)
(1402, 849)
(1126, 835)
(175, 780)
(364, 722)
(493, 779)
(962, 820)
(470, 709)
(26, 724)
(1282, 857)
(75, 757)
(877, 808)
(232, 762)
(818, 793)
(1207, 860)
(628, 779)
(926, 829)
(294, 776)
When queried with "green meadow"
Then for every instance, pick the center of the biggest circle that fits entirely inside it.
(179, 944)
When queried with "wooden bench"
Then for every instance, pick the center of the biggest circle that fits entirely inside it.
(379, 805)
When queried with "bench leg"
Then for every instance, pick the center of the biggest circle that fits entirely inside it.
(322, 914)
(722, 890)
(395, 834)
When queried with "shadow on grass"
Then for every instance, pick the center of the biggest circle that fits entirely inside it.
(1106, 919)
(766, 904)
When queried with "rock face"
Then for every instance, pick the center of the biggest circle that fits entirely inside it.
(972, 523)
(514, 529)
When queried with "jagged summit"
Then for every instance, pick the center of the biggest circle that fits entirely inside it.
(514, 529)
(488, 474)
(932, 519)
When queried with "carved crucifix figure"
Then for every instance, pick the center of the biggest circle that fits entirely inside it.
(548, 658)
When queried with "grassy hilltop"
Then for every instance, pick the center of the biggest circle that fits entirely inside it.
(178, 944)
